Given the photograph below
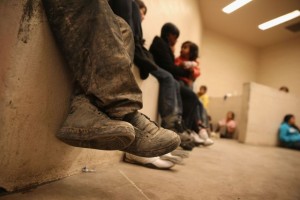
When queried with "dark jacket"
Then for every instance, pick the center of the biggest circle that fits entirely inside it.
(164, 58)
(130, 12)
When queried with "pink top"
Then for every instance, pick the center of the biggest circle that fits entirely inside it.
(231, 125)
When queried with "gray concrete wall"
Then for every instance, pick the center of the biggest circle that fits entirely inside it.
(263, 111)
(35, 87)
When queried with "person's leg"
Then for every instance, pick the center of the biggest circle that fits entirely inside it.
(222, 131)
(90, 39)
(124, 10)
(94, 45)
(296, 145)
(191, 110)
(169, 103)
(130, 12)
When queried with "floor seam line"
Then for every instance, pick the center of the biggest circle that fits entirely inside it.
(134, 185)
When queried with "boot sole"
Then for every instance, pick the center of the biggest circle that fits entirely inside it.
(156, 152)
(98, 138)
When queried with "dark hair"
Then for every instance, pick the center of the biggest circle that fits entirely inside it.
(287, 118)
(204, 87)
(141, 5)
(232, 113)
(194, 49)
(284, 88)
(169, 28)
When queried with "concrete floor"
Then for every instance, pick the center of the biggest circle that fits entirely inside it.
(226, 170)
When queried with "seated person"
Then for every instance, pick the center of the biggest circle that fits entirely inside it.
(104, 108)
(226, 127)
(203, 97)
(188, 60)
(289, 133)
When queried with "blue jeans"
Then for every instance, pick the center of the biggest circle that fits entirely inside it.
(169, 101)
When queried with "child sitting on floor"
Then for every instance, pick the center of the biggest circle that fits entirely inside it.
(289, 133)
(227, 126)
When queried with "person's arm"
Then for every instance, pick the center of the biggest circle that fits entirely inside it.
(165, 61)
(196, 72)
(163, 58)
(231, 126)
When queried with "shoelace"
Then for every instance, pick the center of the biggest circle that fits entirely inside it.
(150, 120)
(149, 127)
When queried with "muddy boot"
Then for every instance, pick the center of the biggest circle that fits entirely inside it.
(87, 127)
(150, 139)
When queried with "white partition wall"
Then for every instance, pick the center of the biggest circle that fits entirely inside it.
(263, 109)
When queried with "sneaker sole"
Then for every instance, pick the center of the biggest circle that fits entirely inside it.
(174, 159)
(156, 152)
(180, 153)
(148, 165)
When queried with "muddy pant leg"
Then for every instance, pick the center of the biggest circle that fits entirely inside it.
(89, 37)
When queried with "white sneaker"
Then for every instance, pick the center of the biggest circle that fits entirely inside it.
(197, 138)
(207, 141)
(154, 162)
(172, 158)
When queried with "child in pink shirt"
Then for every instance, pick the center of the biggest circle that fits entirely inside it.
(227, 126)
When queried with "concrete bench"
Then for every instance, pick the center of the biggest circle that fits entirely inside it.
(35, 88)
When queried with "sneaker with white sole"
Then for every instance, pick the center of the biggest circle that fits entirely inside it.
(154, 162)
(197, 139)
(204, 135)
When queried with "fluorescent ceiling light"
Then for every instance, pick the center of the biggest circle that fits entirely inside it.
(279, 20)
(235, 5)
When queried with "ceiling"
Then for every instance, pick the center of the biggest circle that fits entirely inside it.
(243, 23)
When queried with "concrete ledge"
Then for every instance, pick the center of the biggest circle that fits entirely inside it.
(34, 95)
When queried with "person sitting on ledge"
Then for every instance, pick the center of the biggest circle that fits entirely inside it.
(289, 133)
(98, 48)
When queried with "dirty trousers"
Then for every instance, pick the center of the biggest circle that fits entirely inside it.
(99, 50)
